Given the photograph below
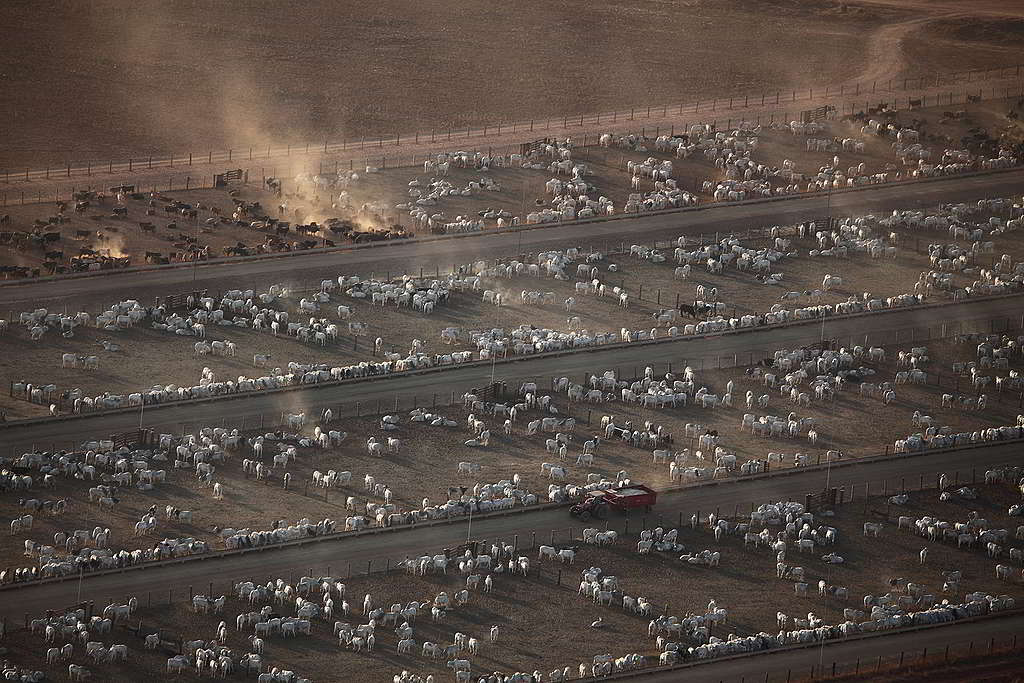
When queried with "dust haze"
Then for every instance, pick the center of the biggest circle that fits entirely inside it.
(91, 81)
(100, 80)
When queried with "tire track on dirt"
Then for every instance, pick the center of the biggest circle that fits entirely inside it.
(885, 55)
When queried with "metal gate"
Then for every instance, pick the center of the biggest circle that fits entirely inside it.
(489, 393)
(231, 178)
(823, 222)
(530, 148)
(825, 500)
(180, 300)
(817, 114)
(460, 550)
(85, 605)
(132, 439)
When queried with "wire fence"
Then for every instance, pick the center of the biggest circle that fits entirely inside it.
(908, 663)
(188, 182)
(294, 159)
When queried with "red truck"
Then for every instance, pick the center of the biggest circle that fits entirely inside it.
(623, 498)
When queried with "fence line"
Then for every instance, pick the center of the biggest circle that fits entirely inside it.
(907, 661)
(568, 124)
(840, 499)
(753, 233)
(206, 181)
(580, 411)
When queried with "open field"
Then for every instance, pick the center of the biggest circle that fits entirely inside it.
(536, 612)
(979, 42)
(245, 71)
(241, 95)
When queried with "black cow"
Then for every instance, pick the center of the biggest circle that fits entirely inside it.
(694, 311)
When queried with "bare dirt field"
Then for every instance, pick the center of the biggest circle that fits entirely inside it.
(242, 75)
(244, 72)
(979, 41)
(535, 613)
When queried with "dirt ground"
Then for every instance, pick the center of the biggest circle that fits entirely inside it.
(979, 42)
(426, 464)
(136, 367)
(535, 612)
(742, 293)
(652, 287)
(174, 238)
(246, 75)
(1003, 666)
